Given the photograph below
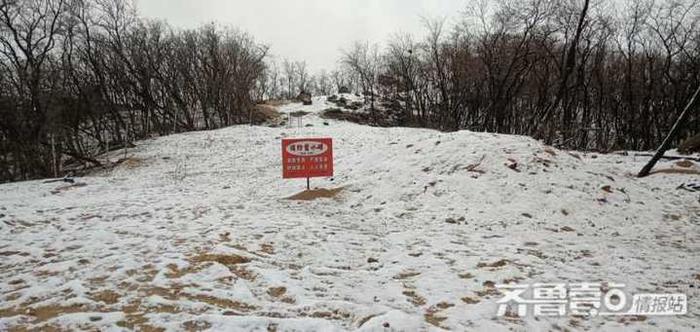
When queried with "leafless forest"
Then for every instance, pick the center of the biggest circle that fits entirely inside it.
(81, 77)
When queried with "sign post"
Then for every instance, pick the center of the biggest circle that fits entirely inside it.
(307, 158)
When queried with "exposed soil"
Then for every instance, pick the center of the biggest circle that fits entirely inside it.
(310, 195)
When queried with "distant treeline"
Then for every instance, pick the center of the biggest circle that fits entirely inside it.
(598, 75)
(81, 77)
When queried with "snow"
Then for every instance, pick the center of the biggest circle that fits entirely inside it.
(419, 212)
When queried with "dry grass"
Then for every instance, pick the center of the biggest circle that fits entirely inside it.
(310, 195)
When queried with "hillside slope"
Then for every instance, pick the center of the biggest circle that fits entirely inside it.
(194, 232)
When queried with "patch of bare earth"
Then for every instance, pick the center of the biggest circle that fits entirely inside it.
(496, 264)
(267, 249)
(470, 300)
(335, 314)
(432, 315)
(277, 103)
(265, 113)
(136, 312)
(682, 171)
(106, 296)
(195, 325)
(414, 298)
(406, 275)
(277, 291)
(310, 195)
(43, 313)
(226, 260)
(232, 261)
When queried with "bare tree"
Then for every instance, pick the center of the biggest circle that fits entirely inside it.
(302, 75)
(290, 72)
(364, 60)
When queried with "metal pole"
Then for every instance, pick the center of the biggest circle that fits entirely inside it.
(308, 184)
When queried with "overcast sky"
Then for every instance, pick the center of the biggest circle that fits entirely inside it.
(311, 30)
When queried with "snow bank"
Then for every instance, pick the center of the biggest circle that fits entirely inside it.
(198, 234)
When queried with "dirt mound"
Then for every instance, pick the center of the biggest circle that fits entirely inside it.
(310, 195)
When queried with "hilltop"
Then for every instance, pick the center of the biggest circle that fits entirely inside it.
(195, 231)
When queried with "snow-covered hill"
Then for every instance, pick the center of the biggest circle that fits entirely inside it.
(195, 232)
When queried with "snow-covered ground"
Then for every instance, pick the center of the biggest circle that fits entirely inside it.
(195, 232)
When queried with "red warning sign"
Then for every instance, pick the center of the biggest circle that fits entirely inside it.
(307, 158)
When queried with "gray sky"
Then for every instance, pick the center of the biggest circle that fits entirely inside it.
(311, 30)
